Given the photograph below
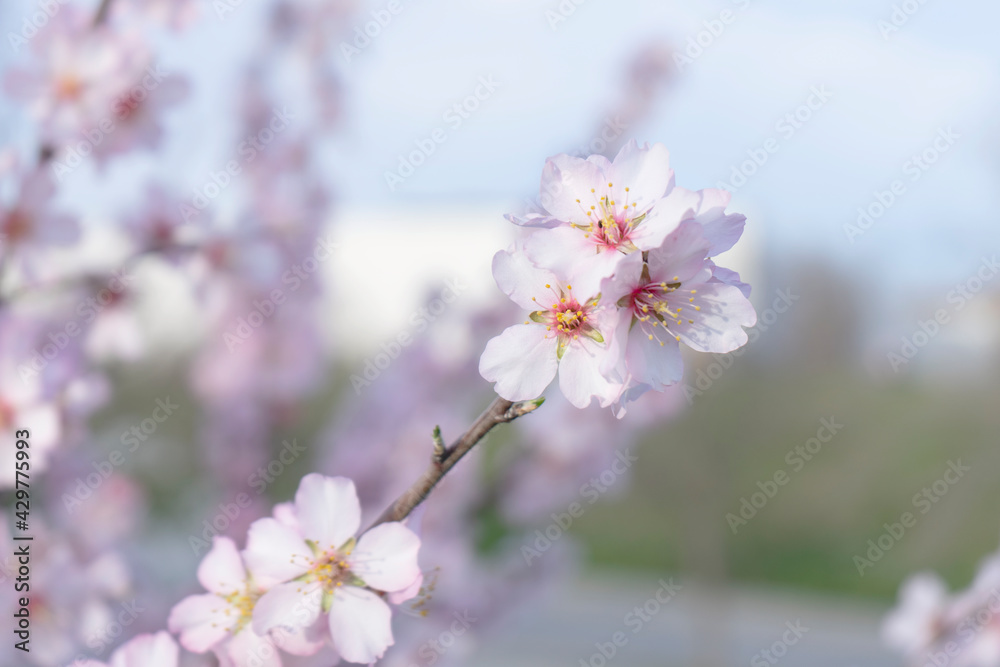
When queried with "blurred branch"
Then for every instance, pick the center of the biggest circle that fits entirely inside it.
(500, 411)
(102, 12)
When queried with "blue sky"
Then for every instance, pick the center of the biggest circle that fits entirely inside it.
(890, 98)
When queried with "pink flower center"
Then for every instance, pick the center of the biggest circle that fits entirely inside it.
(242, 603)
(657, 306)
(611, 222)
(16, 226)
(567, 318)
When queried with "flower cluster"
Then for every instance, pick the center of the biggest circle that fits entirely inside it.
(304, 581)
(616, 273)
(931, 626)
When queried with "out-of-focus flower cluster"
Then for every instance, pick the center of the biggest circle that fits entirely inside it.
(247, 248)
(616, 275)
(931, 626)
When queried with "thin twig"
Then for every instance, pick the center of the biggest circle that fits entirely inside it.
(500, 411)
(102, 12)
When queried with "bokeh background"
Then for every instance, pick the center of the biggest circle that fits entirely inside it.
(858, 137)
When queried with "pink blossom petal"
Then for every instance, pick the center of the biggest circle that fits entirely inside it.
(386, 557)
(644, 171)
(201, 621)
(521, 280)
(580, 377)
(521, 361)
(222, 571)
(328, 510)
(157, 650)
(565, 180)
(360, 625)
(275, 552)
(682, 257)
(293, 605)
(248, 649)
(651, 363)
(718, 326)
(666, 216)
(722, 231)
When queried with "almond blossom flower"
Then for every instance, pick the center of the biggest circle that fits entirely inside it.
(79, 72)
(220, 621)
(157, 650)
(29, 225)
(601, 210)
(325, 570)
(673, 297)
(569, 331)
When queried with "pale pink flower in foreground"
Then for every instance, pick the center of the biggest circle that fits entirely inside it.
(157, 650)
(220, 621)
(326, 571)
(569, 330)
(672, 298)
(600, 211)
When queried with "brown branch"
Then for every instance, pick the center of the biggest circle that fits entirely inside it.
(102, 12)
(500, 411)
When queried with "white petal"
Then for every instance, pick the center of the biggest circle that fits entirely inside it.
(580, 377)
(644, 171)
(718, 326)
(328, 510)
(222, 571)
(556, 249)
(682, 257)
(721, 230)
(664, 218)
(565, 180)
(386, 557)
(293, 605)
(651, 363)
(521, 280)
(248, 649)
(521, 361)
(275, 552)
(360, 625)
(157, 650)
(201, 621)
